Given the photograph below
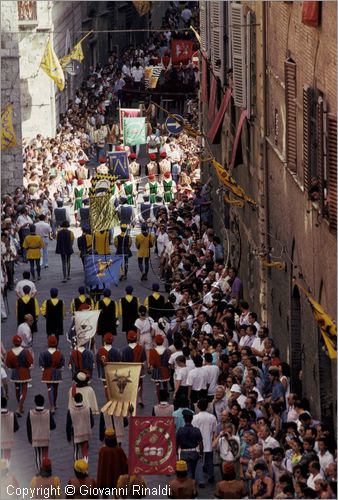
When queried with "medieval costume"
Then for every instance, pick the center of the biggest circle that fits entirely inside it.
(159, 364)
(27, 305)
(123, 243)
(155, 303)
(169, 187)
(81, 360)
(9, 425)
(129, 305)
(19, 360)
(51, 363)
(135, 353)
(152, 188)
(112, 462)
(54, 311)
(107, 319)
(80, 386)
(79, 426)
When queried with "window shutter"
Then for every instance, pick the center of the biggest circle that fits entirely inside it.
(291, 114)
(320, 149)
(332, 168)
(217, 39)
(238, 55)
(306, 135)
(203, 25)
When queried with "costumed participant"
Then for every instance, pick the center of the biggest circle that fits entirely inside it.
(80, 386)
(82, 482)
(102, 167)
(82, 171)
(128, 307)
(145, 210)
(125, 212)
(33, 244)
(78, 193)
(158, 364)
(27, 305)
(129, 484)
(183, 486)
(134, 170)
(51, 363)
(135, 353)
(19, 360)
(152, 167)
(106, 354)
(151, 188)
(54, 311)
(84, 214)
(128, 189)
(9, 425)
(81, 360)
(112, 462)
(164, 165)
(77, 302)
(159, 207)
(144, 242)
(64, 248)
(79, 426)
(39, 423)
(163, 408)
(85, 244)
(155, 303)
(7, 480)
(123, 242)
(169, 187)
(45, 481)
(108, 315)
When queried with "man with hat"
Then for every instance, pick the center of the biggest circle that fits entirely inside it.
(77, 303)
(81, 479)
(145, 210)
(39, 423)
(106, 354)
(125, 212)
(84, 214)
(9, 425)
(79, 426)
(236, 394)
(134, 352)
(33, 244)
(152, 167)
(159, 364)
(183, 486)
(123, 242)
(54, 311)
(129, 190)
(108, 315)
(164, 165)
(19, 360)
(81, 360)
(169, 187)
(134, 169)
(189, 442)
(45, 479)
(102, 242)
(27, 305)
(51, 363)
(144, 242)
(128, 308)
(155, 303)
(85, 243)
(80, 386)
(159, 206)
(112, 462)
(152, 187)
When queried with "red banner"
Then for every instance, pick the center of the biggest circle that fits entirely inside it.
(311, 13)
(181, 50)
(243, 117)
(212, 99)
(204, 81)
(152, 445)
(127, 113)
(215, 127)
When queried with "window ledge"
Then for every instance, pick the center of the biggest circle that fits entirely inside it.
(28, 23)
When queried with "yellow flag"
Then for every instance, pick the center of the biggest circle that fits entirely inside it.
(142, 7)
(75, 54)
(274, 264)
(327, 327)
(232, 201)
(230, 183)
(199, 39)
(51, 65)
(8, 137)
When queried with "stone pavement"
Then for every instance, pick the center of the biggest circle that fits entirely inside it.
(61, 452)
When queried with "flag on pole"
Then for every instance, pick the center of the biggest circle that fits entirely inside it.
(126, 112)
(75, 55)
(85, 325)
(101, 269)
(134, 131)
(8, 137)
(151, 76)
(142, 7)
(328, 329)
(119, 164)
(230, 183)
(197, 35)
(102, 213)
(181, 50)
(52, 67)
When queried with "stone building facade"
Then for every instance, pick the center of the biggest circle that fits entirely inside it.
(11, 159)
(283, 76)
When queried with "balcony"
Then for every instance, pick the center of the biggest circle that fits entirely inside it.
(27, 14)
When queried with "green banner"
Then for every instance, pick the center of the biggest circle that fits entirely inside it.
(134, 131)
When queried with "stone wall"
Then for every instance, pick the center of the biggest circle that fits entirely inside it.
(11, 159)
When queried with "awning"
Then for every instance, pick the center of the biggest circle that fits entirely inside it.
(244, 115)
(311, 13)
(212, 99)
(204, 82)
(213, 132)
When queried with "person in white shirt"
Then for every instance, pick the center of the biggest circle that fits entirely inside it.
(211, 375)
(25, 282)
(197, 385)
(249, 338)
(244, 317)
(24, 331)
(253, 321)
(257, 346)
(206, 328)
(43, 229)
(266, 440)
(207, 424)
(145, 328)
(180, 378)
(325, 457)
(314, 469)
(137, 74)
(236, 394)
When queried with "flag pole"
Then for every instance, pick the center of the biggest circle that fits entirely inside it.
(84, 37)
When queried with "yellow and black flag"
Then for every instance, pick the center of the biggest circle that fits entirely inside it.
(142, 7)
(52, 67)
(76, 54)
(8, 137)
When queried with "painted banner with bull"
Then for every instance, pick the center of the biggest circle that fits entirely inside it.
(122, 385)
